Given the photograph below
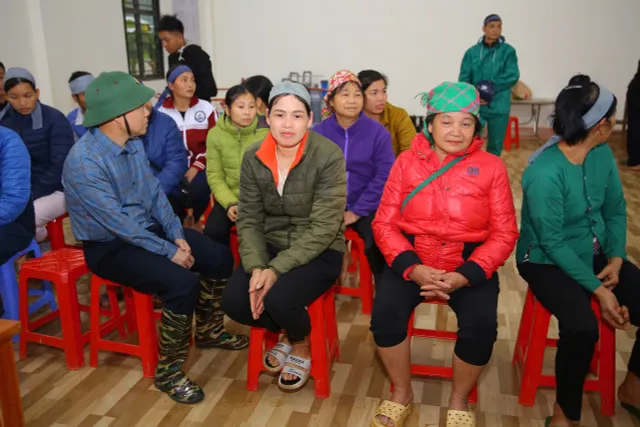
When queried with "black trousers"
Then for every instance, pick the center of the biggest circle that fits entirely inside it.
(200, 196)
(633, 125)
(155, 274)
(476, 308)
(374, 256)
(17, 235)
(285, 303)
(570, 303)
(218, 225)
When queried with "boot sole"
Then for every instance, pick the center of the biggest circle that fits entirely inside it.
(176, 399)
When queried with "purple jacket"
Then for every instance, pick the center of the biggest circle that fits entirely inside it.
(368, 153)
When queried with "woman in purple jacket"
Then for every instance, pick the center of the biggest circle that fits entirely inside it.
(368, 153)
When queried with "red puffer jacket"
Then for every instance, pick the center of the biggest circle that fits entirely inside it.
(469, 208)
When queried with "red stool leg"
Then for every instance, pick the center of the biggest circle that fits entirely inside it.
(318, 340)
(524, 332)
(23, 303)
(147, 333)
(607, 371)
(94, 322)
(534, 357)
(517, 131)
(70, 322)
(254, 365)
(366, 282)
(473, 397)
(56, 234)
(115, 310)
(332, 325)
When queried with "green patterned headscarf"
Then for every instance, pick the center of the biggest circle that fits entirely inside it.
(450, 97)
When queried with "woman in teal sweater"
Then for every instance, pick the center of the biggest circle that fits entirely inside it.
(572, 241)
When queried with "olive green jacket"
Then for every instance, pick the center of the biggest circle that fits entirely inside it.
(306, 220)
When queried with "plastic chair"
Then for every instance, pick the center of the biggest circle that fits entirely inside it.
(434, 370)
(139, 316)
(361, 265)
(9, 288)
(62, 268)
(529, 355)
(513, 134)
(324, 342)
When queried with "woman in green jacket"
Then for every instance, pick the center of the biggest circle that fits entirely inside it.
(226, 144)
(572, 242)
(291, 231)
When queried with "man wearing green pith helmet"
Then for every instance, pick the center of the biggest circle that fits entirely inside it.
(492, 65)
(132, 237)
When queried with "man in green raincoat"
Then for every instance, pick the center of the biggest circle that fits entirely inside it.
(493, 60)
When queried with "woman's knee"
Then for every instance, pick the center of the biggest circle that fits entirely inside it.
(389, 322)
(582, 331)
(476, 337)
(235, 296)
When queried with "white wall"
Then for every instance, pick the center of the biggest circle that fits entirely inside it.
(78, 38)
(419, 43)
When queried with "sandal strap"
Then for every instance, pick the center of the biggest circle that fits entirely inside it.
(301, 367)
(460, 419)
(394, 411)
(280, 352)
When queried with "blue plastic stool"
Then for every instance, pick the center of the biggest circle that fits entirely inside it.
(9, 288)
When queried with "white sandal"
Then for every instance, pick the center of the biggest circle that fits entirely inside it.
(280, 352)
(301, 368)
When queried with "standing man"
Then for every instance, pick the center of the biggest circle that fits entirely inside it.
(492, 66)
(78, 82)
(171, 33)
(131, 236)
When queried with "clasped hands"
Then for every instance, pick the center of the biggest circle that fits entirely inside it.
(436, 283)
(259, 284)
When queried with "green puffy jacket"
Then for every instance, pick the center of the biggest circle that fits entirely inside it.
(225, 146)
(498, 63)
(306, 220)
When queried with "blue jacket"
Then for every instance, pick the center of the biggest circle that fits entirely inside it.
(15, 176)
(48, 146)
(165, 151)
(368, 153)
(78, 129)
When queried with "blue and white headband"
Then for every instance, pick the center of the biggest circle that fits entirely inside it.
(80, 84)
(591, 118)
(180, 69)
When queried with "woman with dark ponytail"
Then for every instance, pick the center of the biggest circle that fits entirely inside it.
(572, 242)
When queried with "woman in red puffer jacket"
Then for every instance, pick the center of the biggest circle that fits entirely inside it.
(443, 239)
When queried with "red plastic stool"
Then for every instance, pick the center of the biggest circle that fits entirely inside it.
(205, 215)
(529, 355)
(365, 290)
(513, 134)
(324, 341)
(431, 370)
(235, 249)
(139, 316)
(63, 268)
(56, 233)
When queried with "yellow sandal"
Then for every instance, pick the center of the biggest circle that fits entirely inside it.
(460, 419)
(394, 411)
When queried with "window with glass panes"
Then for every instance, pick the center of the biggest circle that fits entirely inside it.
(144, 49)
